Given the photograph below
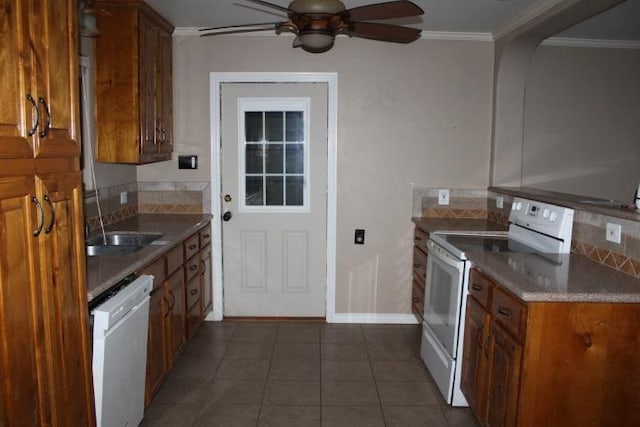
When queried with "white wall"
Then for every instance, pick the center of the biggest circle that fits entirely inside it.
(582, 122)
(417, 114)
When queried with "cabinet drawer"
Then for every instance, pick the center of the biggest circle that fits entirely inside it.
(509, 312)
(191, 246)
(419, 265)
(480, 287)
(157, 270)
(205, 236)
(420, 239)
(193, 293)
(191, 268)
(175, 259)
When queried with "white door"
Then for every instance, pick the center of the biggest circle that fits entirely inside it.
(274, 182)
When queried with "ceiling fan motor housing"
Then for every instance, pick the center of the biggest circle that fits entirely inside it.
(317, 6)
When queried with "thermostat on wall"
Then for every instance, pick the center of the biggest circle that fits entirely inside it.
(188, 162)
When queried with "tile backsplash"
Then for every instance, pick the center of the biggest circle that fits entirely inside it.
(146, 197)
(589, 229)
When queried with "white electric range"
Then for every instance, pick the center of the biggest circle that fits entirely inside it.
(533, 227)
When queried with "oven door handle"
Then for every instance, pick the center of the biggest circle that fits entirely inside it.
(442, 255)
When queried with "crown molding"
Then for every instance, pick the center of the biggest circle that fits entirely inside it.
(528, 15)
(599, 43)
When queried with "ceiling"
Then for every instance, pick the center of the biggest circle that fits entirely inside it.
(450, 16)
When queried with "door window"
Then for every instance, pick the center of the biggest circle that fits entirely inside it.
(273, 154)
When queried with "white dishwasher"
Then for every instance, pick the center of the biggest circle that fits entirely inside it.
(120, 326)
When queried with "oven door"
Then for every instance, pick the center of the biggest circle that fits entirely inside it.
(443, 296)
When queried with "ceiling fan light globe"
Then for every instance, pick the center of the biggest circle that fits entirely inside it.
(317, 6)
(316, 42)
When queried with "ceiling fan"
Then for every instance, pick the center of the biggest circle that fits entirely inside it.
(316, 23)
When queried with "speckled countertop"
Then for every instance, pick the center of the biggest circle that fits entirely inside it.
(456, 224)
(105, 271)
(531, 277)
(570, 278)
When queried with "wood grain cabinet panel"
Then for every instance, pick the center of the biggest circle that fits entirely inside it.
(134, 98)
(419, 273)
(45, 362)
(555, 364)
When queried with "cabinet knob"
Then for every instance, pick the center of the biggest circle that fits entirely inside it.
(476, 287)
(586, 340)
(417, 265)
(193, 267)
(193, 246)
(504, 311)
(193, 291)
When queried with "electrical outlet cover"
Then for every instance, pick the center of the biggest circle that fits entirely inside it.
(123, 197)
(614, 232)
(499, 202)
(443, 197)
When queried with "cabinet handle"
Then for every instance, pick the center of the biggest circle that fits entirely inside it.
(166, 301)
(416, 299)
(485, 347)
(417, 239)
(417, 265)
(204, 266)
(206, 236)
(504, 311)
(173, 300)
(476, 287)
(44, 132)
(36, 202)
(193, 246)
(36, 111)
(193, 267)
(193, 292)
(53, 215)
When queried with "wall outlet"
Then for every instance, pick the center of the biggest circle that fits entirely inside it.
(614, 232)
(443, 197)
(499, 202)
(123, 197)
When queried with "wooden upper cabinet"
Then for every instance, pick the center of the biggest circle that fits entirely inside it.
(38, 79)
(134, 84)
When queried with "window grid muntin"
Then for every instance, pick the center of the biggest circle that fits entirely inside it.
(298, 109)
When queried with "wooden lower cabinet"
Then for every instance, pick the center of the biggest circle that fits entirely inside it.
(175, 311)
(419, 273)
(550, 363)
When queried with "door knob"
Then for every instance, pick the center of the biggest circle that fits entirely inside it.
(227, 198)
(226, 216)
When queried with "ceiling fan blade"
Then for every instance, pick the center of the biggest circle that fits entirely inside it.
(389, 10)
(272, 5)
(236, 29)
(382, 32)
(261, 24)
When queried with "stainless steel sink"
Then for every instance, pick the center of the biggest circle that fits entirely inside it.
(119, 242)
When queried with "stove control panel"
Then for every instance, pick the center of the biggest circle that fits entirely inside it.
(544, 218)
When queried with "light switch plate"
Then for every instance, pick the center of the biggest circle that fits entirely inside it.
(443, 197)
(614, 232)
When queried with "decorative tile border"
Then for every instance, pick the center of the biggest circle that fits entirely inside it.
(609, 258)
(454, 213)
(112, 217)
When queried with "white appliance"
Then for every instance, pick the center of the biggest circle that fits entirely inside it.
(533, 227)
(120, 326)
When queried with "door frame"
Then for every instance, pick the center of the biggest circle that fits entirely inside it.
(216, 81)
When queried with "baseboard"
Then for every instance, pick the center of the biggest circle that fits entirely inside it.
(376, 318)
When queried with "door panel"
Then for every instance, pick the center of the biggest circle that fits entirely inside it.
(274, 156)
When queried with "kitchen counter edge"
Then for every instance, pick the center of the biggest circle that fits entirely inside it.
(103, 272)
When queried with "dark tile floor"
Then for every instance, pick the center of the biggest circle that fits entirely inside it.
(302, 374)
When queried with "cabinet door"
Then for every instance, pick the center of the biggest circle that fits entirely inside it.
(475, 354)
(53, 37)
(205, 279)
(164, 93)
(65, 299)
(157, 361)
(504, 378)
(177, 316)
(21, 319)
(17, 113)
(147, 66)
